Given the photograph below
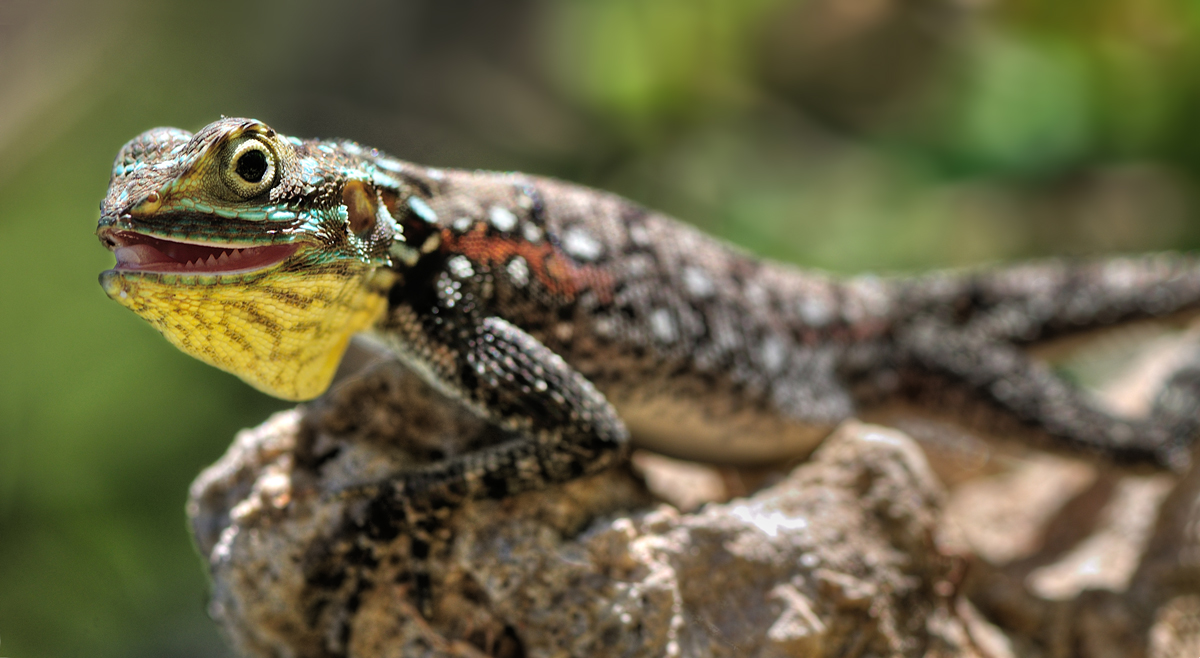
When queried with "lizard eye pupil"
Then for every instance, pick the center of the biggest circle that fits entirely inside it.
(251, 166)
(248, 168)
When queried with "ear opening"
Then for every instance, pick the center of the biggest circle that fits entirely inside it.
(362, 206)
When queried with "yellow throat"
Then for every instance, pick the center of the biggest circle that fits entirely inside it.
(282, 334)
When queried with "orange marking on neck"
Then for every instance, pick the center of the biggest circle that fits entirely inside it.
(552, 268)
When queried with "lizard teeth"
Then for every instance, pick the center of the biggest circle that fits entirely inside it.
(145, 253)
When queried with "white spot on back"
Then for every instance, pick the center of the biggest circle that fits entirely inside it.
(663, 325)
(815, 311)
(502, 218)
(460, 266)
(518, 271)
(579, 243)
(462, 224)
(866, 298)
(639, 265)
(435, 174)
(449, 291)
(640, 236)
(773, 353)
(698, 282)
(532, 232)
(604, 326)
(756, 295)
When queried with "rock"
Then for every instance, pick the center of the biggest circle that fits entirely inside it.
(857, 552)
(1072, 559)
(837, 558)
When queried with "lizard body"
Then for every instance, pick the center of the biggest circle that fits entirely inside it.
(572, 318)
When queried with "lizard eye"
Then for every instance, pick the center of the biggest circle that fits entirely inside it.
(249, 168)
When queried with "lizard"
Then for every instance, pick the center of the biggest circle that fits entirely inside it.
(577, 321)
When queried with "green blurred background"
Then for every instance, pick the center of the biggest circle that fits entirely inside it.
(844, 134)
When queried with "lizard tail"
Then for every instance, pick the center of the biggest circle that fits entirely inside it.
(1053, 298)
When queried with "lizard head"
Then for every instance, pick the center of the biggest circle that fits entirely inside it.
(254, 252)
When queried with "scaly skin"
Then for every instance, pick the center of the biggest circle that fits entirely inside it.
(564, 315)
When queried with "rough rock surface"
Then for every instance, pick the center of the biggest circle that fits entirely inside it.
(1072, 560)
(857, 552)
(837, 558)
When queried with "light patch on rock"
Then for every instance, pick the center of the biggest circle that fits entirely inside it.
(798, 622)
(770, 522)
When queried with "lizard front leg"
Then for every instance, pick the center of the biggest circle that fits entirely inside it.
(562, 427)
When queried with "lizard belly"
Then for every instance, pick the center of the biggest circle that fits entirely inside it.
(688, 430)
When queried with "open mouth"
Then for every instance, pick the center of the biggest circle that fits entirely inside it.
(136, 252)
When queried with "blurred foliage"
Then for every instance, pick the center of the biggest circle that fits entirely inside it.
(844, 134)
